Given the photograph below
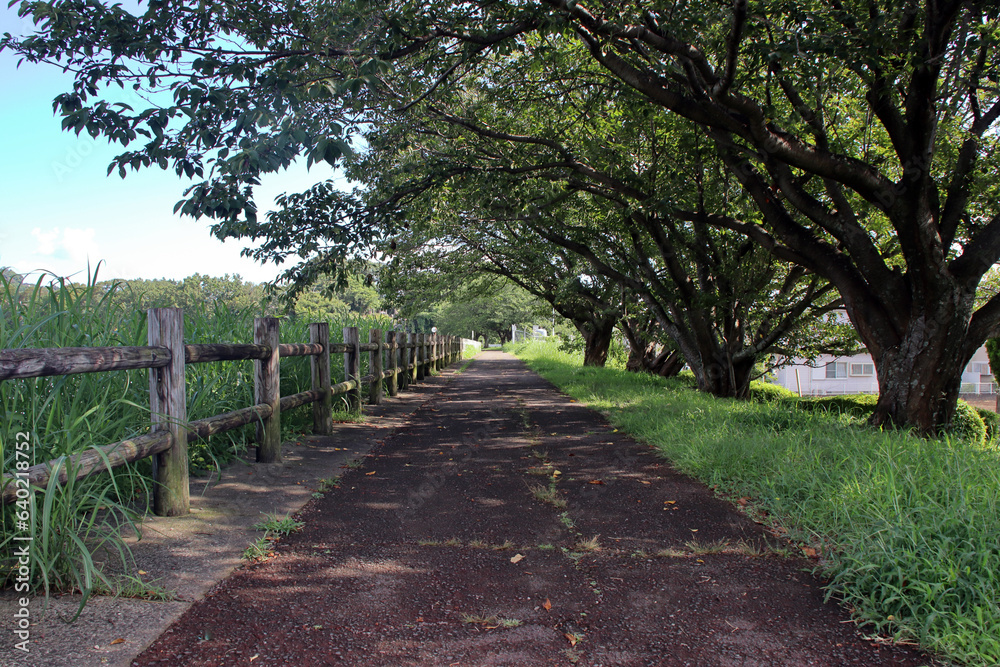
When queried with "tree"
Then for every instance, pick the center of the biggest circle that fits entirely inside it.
(197, 291)
(466, 252)
(488, 308)
(610, 196)
(863, 132)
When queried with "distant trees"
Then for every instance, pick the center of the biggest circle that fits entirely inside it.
(449, 291)
(229, 293)
(489, 311)
(197, 291)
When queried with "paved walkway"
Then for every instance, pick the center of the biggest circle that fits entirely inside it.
(506, 525)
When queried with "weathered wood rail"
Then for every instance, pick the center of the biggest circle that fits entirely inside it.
(401, 359)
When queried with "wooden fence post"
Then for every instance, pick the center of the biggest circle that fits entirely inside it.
(421, 351)
(428, 354)
(412, 359)
(393, 348)
(401, 371)
(267, 389)
(434, 351)
(404, 359)
(319, 332)
(352, 367)
(168, 405)
(375, 367)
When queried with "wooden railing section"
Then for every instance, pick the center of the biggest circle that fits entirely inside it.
(401, 359)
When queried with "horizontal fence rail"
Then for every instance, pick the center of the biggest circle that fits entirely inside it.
(395, 362)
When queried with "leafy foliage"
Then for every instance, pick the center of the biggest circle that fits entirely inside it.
(854, 142)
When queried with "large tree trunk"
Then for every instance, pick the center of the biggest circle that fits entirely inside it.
(649, 357)
(920, 376)
(597, 340)
(655, 359)
(725, 377)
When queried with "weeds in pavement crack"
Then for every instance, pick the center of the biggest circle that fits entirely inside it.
(492, 621)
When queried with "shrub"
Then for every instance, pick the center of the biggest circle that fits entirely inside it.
(968, 425)
(992, 422)
(688, 379)
(766, 392)
(856, 405)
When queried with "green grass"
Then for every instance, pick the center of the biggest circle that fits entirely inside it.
(907, 527)
(273, 525)
(491, 621)
(260, 549)
(65, 415)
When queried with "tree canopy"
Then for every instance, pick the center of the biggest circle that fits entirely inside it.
(860, 136)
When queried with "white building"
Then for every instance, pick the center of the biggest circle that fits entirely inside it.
(856, 375)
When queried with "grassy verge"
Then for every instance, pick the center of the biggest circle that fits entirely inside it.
(907, 528)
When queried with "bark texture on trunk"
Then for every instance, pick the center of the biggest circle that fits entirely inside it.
(726, 378)
(655, 359)
(597, 337)
(920, 377)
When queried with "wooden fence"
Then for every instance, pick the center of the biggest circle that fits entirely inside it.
(402, 358)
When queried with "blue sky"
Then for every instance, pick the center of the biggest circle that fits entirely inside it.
(60, 210)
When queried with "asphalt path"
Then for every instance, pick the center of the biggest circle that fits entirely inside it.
(505, 524)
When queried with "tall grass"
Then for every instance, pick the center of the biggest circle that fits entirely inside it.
(907, 527)
(65, 415)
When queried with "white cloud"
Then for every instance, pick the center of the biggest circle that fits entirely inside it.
(77, 245)
(80, 244)
(46, 240)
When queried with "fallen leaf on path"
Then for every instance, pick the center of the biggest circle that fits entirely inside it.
(254, 657)
(642, 481)
(546, 605)
(120, 640)
(573, 639)
(810, 552)
(143, 572)
(370, 473)
(595, 481)
(517, 558)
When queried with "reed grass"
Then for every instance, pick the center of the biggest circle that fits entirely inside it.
(65, 415)
(907, 527)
